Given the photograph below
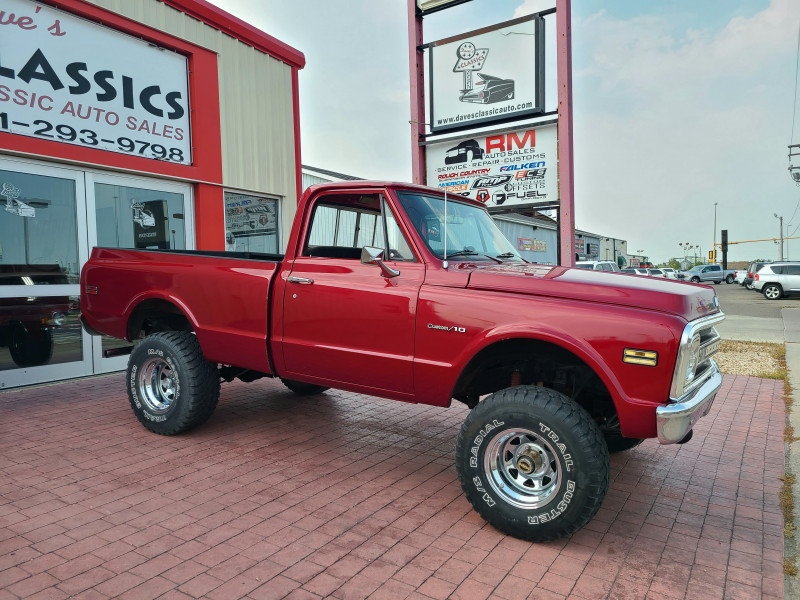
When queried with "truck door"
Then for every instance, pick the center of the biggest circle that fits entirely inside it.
(345, 321)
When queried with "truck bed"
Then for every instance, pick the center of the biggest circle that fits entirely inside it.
(224, 295)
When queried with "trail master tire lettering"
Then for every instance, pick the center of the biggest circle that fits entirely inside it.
(532, 463)
(172, 388)
(303, 389)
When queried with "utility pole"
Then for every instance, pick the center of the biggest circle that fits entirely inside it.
(714, 246)
(780, 219)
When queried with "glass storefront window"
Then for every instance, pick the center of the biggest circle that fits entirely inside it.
(38, 230)
(129, 217)
(37, 331)
(251, 223)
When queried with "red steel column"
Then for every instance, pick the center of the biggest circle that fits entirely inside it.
(566, 180)
(417, 79)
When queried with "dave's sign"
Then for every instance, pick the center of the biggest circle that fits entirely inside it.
(509, 169)
(69, 80)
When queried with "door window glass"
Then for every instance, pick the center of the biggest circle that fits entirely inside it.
(398, 244)
(793, 269)
(38, 229)
(129, 217)
(251, 223)
(343, 224)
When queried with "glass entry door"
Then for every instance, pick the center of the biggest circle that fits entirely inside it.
(134, 212)
(43, 243)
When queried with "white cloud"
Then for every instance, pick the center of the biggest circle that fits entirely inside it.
(666, 126)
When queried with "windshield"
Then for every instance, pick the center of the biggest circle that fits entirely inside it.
(471, 232)
(695, 269)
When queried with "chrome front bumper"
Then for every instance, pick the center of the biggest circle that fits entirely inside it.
(674, 421)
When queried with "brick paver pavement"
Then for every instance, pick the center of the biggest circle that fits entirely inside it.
(346, 496)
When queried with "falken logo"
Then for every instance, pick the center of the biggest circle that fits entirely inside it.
(533, 165)
(447, 328)
(484, 182)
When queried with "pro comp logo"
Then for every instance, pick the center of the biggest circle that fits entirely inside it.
(492, 181)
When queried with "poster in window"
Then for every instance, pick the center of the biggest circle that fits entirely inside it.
(251, 223)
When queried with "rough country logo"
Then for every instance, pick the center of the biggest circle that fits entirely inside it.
(489, 89)
(11, 193)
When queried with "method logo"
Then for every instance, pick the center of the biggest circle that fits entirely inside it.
(486, 182)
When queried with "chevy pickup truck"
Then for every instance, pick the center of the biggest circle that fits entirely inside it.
(396, 291)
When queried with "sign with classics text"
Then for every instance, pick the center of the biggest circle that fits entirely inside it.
(507, 169)
(69, 80)
(487, 75)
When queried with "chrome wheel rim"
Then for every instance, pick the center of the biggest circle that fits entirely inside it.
(771, 292)
(522, 468)
(158, 385)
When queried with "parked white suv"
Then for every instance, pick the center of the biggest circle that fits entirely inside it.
(597, 265)
(778, 280)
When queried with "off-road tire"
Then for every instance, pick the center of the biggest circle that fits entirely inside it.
(172, 388)
(565, 453)
(303, 389)
(772, 291)
(30, 348)
(730, 279)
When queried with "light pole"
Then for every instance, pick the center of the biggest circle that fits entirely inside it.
(714, 247)
(780, 219)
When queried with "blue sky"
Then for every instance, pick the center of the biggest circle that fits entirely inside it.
(678, 104)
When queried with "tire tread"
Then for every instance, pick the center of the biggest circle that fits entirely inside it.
(202, 383)
(526, 397)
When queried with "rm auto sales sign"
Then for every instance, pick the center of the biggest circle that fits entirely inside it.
(507, 169)
(69, 80)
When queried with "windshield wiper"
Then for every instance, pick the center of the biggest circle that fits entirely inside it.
(473, 253)
(507, 255)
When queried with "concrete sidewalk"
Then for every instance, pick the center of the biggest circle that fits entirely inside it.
(345, 496)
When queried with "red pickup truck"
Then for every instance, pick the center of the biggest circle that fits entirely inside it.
(394, 290)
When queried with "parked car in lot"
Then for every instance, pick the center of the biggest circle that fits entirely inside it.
(777, 280)
(657, 273)
(670, 273)
(740, 275)
(708, 274)
(751, 272)
(634, 271)
(598, 265)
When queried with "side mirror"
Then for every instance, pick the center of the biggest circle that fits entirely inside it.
(374, 256)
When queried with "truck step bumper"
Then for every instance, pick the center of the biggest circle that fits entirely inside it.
(674, 421)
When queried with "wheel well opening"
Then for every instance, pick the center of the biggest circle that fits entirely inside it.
(154, 315)
(534, 362)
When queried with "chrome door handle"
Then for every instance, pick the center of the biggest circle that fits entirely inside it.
(300, 280)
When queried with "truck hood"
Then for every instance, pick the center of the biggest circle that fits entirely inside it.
(686, 300)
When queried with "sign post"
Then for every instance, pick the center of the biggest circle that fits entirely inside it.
(566, 221)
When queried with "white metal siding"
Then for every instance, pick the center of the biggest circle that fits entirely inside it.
(256, 109)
